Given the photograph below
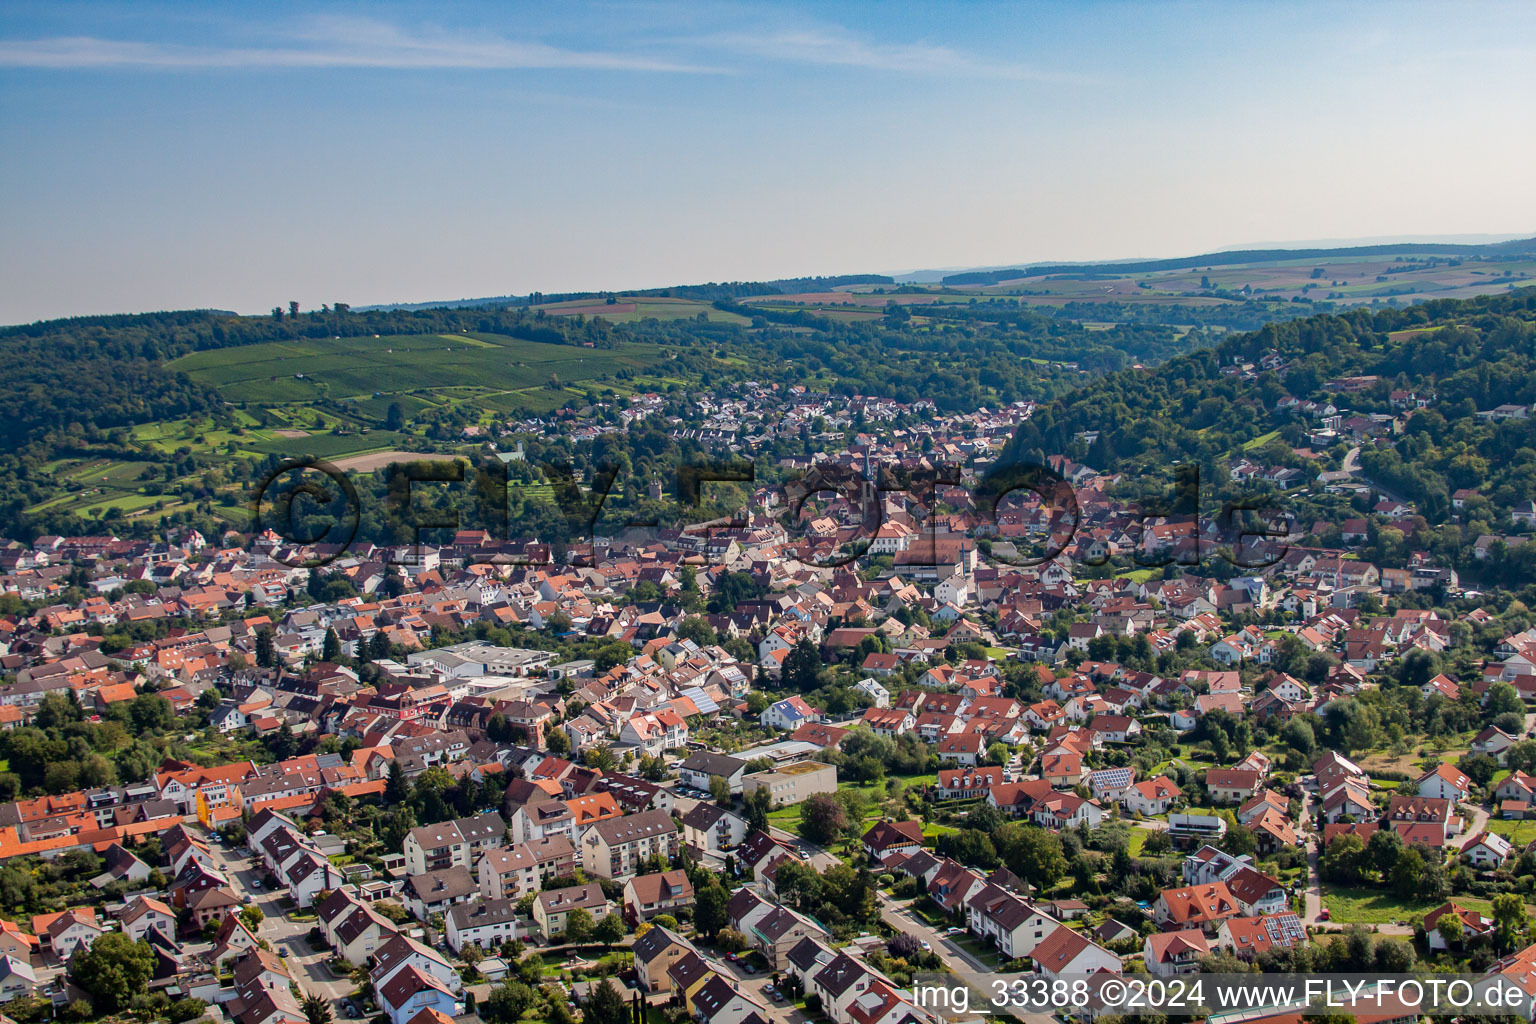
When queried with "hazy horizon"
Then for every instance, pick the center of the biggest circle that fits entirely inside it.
(170, 156)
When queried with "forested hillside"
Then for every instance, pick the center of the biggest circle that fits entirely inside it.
(80, 376)
(159, 417)
(1424, 373)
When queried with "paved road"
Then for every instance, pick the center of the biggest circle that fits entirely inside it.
(1351, 465)
(900, 917)
(282, 933)
(1313, 900)
(756, 985)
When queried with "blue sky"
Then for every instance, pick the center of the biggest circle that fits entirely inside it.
(173, 155)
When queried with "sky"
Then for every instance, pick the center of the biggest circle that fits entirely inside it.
(178, 155)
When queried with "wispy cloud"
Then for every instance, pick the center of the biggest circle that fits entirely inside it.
(332, 42)
(834, 46)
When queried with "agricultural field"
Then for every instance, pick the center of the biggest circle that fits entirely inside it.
(635, 308)
(369, 369)
(1344, 280)
(95, 486)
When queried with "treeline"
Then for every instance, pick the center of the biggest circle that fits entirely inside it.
(708, 292)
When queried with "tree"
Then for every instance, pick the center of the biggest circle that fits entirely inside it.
(1480, 768)
(1298, 735)
(802, 667)
(601, 758)
(252, 916)
(1032, 853)
(1341, 861)
(1239, 839)
(317, 1009)
(1451, 930)
(1382, 851)
(709, 905)
(755, 807)
(697, 629)
(1510, 920)
(394, 419)
(609, 930)
(823, 819)
(266, 652)
(509, 1001)
(605, 1005)
(730, 940)
(396, 790)
(578, 925)
(113, 970)
(1502, 698)
(498, 729)
(1407, 873)
(720, 789)
(330, 647)
(471, 955)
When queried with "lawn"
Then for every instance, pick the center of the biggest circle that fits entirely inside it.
(1520, 833)
(788, 818)
(973, 946)
(1138, 841)
(1363, 905)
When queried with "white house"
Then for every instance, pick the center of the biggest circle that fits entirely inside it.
(1066, 952)
(1445, 782)
(1171, 953)
(17, 978)
(1487, 850)
(487, 924)
(788, 714)
(1013, 924)
(1150, 797)
(874, 691)
(145, 915)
